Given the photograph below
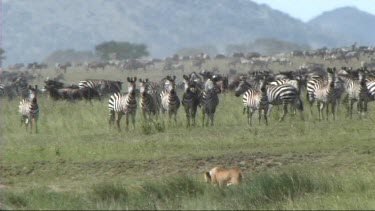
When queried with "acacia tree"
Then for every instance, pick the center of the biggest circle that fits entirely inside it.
(122, 50)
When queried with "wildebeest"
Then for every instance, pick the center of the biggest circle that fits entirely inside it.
(72, 93)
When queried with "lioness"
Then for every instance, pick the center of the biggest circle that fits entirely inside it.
(222, 176)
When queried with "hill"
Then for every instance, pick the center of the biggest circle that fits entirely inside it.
(35, 29)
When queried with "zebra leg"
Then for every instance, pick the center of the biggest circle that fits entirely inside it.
(265, 117)
(334, 106)
(22, 121)
(127, 121)
(36, 125)
(327, 111)
(203, 116)
(351, 108)
(260, 113)
(187, 117)
(318, 104)
(31, 119)
(212, 115)
(193, 113)
(111, 118)
(133, 120)
(170, 117)
(285, 112)
(365, 107)
(119, 116)
(249, 116)
(175, 117)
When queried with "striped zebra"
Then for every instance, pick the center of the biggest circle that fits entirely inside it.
(365, 95)
(252, 99)
(292, 82)
(281, 95)
(190, 98)
(354, 91)
(103, 86)
(148, 101)
(209, 100)
(29, 109)
(169, 100)
(325, 93)
(123, 105)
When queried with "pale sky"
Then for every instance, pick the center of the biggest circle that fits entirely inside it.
(305, 10)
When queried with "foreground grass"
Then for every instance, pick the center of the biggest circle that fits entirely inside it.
(287, 190)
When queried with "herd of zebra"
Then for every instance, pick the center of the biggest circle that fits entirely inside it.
(261, 90)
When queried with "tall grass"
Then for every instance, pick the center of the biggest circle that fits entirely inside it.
(182, 192)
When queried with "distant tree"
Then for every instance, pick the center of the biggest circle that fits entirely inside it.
(273, 46)
(191, 51)
(2, 57)
(123, 50)
(70, 55)
(236, 48)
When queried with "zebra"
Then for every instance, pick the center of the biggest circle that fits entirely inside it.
(123, 105)
(353, 91)
(29, 109)
(365, 95)
(280, 95)
(103, 86)
(190, 98)
(252, 99)
(325, 94)
(169, 99)
(209, 100)
(148, 103)
(292, 82)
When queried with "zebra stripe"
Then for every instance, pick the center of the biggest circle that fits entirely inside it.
(251, 100)
(29, 109)
(353, 91)
(325, 94)
(123, 105)
(190, 98)
(281, 95)
(148, 103)
(209, 100)
(169, 100)
(292, 82)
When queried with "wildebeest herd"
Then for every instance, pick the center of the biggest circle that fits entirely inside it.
(328, 87)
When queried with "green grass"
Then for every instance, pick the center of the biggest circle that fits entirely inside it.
(77, 162)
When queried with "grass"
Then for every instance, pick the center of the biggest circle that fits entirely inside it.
(77, 162)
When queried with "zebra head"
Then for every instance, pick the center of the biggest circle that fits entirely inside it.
(190, 85)
(143, 86)
(170, 84)
(362, 76)
(131, 85)
(242, 87)
(33, 93)
(211, 86)
(333, 80)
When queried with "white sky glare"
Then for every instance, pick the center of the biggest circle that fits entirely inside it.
(306, 10)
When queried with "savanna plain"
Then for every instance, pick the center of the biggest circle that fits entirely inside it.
(77, 162)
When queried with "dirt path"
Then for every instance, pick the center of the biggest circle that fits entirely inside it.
(256, 162)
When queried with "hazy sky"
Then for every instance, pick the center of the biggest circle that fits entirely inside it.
(308, 9)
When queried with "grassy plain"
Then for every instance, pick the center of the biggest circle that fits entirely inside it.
(77, 162)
